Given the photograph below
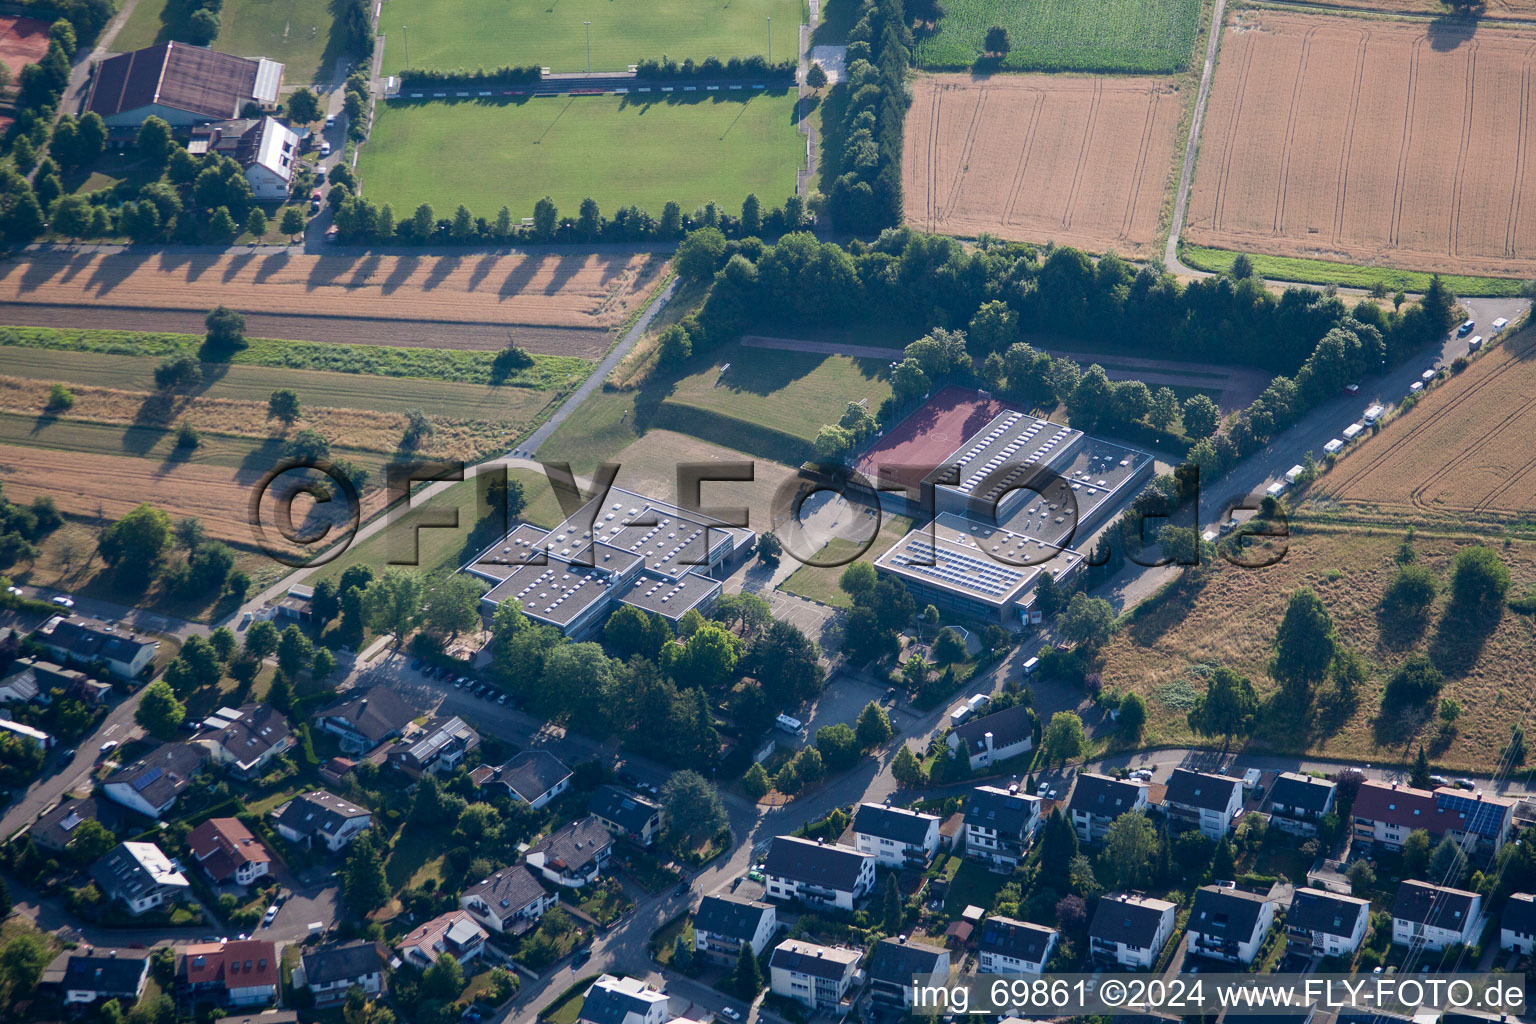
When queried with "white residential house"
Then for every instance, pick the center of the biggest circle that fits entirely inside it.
(152, 784)
(1007, 946)
(999, 826)
(573, 855)
(509, 902)
(1433, 917)
(88, 641)
(1097, 800)
(1229, 924)
(1326, 923)
(613, 1000)
(140, 875)
(997, 737)
(722, 924)
(1130, 929)
(896, 837)
(817, 872)
(818, 977)
(1517, 928)
(322, 816)
(328, 972)
(1210, 803)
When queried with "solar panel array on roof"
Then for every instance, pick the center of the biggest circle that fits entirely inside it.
(958, 570)
(147, 779)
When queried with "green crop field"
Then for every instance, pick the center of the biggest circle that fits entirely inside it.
(795, 393)
(450, 34)
(619, 150)
(1147, 36)
(295, 32)
(1346, 275)
(315, 388)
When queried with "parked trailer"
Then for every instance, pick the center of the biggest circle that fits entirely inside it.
(1333, 446)
(1474, 343)
(1375, 412)
(1275, 489)
(1293, 474)
(1353, 431)
(1498, 325)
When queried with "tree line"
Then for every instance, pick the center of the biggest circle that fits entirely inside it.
(865, 197)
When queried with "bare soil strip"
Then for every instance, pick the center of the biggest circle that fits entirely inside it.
(594, 291)
(1369, 141)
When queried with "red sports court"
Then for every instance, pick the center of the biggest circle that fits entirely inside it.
(933, 432)
(23, 41)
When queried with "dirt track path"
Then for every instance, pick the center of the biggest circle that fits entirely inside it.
(564, 341)
(1187, 172)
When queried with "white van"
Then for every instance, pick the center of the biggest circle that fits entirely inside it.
(1031, 666)
(789, 725)
(978, 702)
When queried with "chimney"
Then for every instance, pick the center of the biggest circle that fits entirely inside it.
(821, 841)
(901, 939)
(987, 740)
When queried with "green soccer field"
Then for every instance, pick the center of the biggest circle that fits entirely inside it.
(449, 34)
(618, 150)
(1148, 36)
(295, 32)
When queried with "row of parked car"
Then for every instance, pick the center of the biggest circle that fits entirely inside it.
(474, 687)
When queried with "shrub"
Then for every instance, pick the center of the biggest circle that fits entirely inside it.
(60, 398)
(1414, 684)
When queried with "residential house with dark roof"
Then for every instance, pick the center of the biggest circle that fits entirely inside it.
(509, 902)
(612, 1000)
(86, 641)
(1130, 929)
(141, 876)
(895, 836)
(366, 719)
(246, 740)
(1385, 814)
(893, 965)
(535, 777)
(999, 826)
(1517, 927)
(1228, 924)
(321, 815)
(1210, 803)
(1007, 946)
(92, 975)
(573, 855)
(455, 933)
(1326, 923)
(34, 679)
(1299, 803)
(152, 784)
(996, 737)
(239, 973)
(723, 923)
(330, 970)
(181, 84)
(268, 152)
(817, 977)
(1097, 800)
(1432, 917)
(227, 851)
(627, 815)
(54, 829)
(439, 748)
(817, 873)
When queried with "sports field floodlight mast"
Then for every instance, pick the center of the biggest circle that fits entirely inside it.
(770, 39)
(405, 32)
(589, 46)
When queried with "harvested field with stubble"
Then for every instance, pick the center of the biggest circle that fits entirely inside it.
(583, 290)
(1232, 621)
(1078, 161)
(1370, 141)
(1463, 456)
(110, 486)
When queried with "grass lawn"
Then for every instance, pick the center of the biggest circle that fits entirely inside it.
(448, 34)
(972, 885)
(665, 941)
(443, 548)
(1289, 268)
(795, 393)
(565, 1012)
(1068, 35)
(416, 856)
(819, 583)
(1231, 618)
(619, 150)
(295, 32)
